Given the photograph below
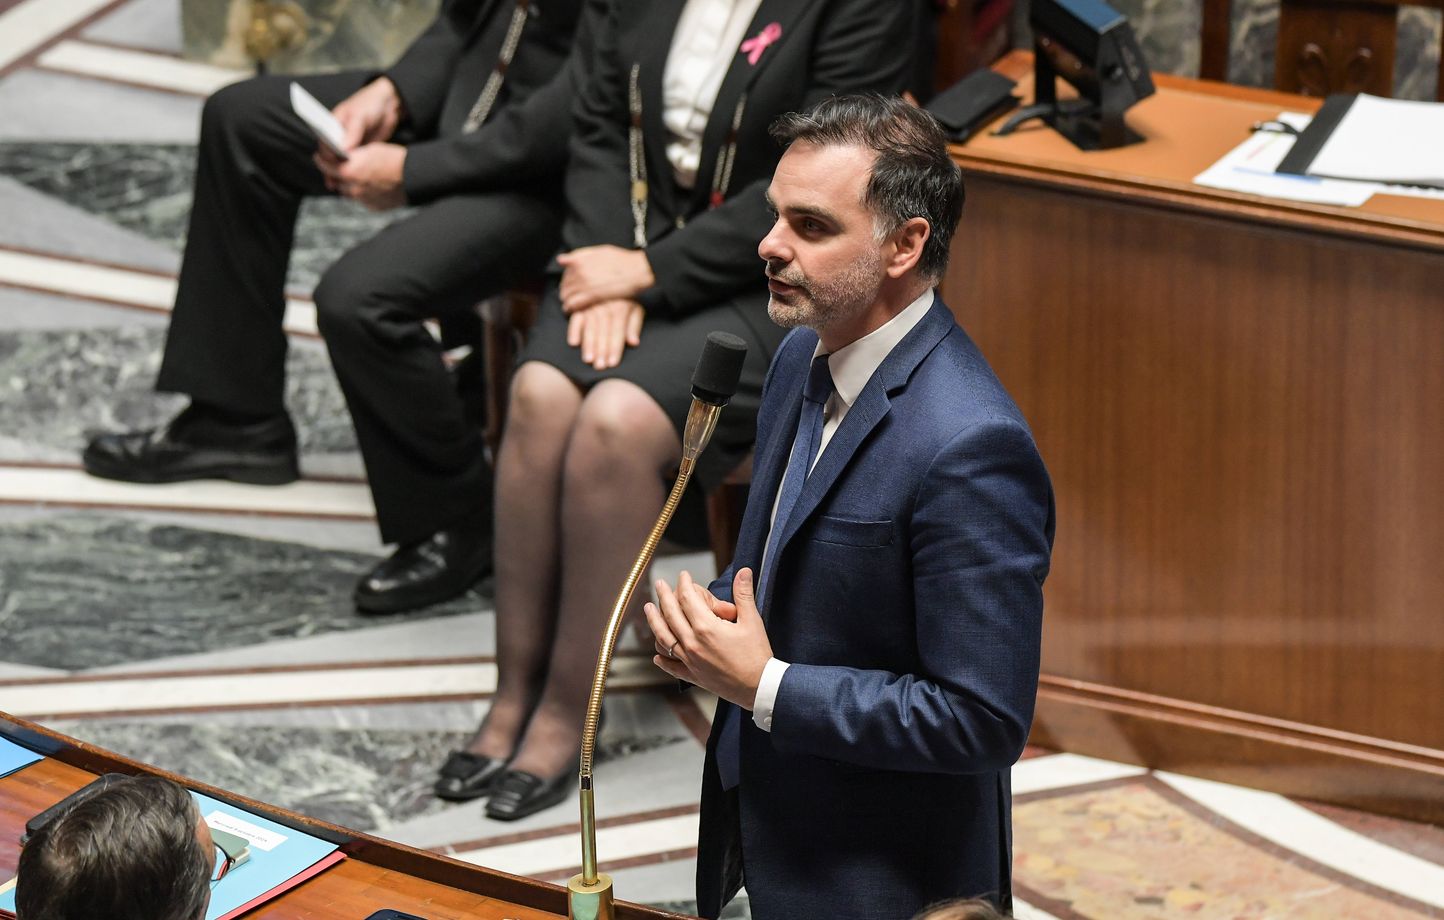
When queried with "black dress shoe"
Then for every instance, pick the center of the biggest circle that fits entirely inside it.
(436, 569)
(261, 452)
(467, 776)
(518, 794)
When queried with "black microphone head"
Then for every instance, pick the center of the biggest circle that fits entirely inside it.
(719, 368)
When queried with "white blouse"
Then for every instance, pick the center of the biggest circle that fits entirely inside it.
(709, 34)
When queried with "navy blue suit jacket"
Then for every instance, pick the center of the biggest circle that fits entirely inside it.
(907, 597)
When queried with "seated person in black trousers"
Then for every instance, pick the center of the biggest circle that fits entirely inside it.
(471, 126)
(670, 158)
(137, 850)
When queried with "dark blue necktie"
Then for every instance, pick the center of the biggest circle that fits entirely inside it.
(804, 451)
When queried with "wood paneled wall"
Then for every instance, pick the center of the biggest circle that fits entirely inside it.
(1245, 429)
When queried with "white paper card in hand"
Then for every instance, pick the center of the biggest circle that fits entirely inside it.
(319, 119)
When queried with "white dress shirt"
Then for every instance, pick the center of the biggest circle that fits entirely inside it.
(851, 366)
(709, 34)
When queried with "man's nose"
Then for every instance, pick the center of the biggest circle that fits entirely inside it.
(773, 247)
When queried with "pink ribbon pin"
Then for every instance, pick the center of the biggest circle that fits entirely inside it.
(757, 44)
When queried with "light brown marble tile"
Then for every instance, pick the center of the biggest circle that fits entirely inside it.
(1133, 850)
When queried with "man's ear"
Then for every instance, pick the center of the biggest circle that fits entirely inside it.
(906, 248)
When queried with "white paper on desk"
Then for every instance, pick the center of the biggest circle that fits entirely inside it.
(1386, 140)
(1250, 166)
(319, 119)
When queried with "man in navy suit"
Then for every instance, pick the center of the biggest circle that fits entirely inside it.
(877, 677)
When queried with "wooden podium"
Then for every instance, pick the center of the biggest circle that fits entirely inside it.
(1241, 403)
(376, 873)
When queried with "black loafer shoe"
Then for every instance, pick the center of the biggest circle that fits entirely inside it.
(436, 569)
(263, 453)
(467, 776)
(518, 794)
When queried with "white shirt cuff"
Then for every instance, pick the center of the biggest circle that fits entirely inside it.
(766, 697)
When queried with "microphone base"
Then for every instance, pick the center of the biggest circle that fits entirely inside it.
(590, 902)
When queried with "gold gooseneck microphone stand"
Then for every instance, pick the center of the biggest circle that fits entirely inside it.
(589, 894)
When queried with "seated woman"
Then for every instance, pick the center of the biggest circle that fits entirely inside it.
(670, 161)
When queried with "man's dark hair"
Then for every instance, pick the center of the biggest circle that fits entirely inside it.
(128, 852)
(913, 175)
(961, 909)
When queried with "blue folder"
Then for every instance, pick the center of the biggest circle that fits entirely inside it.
(290, 853)
(13, 757)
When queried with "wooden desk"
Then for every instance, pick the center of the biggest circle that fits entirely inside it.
(1241, 402)
(376, 873)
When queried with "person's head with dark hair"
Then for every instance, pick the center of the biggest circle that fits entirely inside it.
(866, 201)
(137, 850)
(912, 177)
(961, 909)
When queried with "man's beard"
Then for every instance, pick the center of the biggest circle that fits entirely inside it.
(819, 303)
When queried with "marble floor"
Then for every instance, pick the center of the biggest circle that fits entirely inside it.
(207, 627)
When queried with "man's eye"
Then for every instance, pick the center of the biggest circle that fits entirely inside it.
(812, 226)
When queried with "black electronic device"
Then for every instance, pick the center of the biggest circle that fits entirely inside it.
(1090, 45)
(972, 102)
(389, 914)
